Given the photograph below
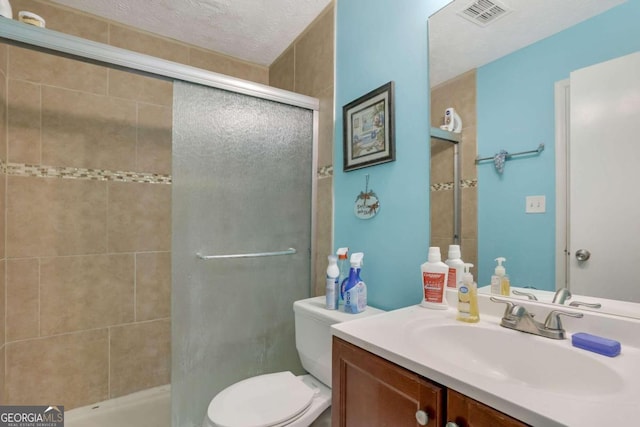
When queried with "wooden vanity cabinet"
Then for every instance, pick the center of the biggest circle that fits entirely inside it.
(466, 412)
(369, 391)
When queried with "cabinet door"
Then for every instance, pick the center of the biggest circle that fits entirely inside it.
(466, 412)
(369, 391)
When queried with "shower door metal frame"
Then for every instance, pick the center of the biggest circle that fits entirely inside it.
(68, 46)
(455, 139)
(57, 43)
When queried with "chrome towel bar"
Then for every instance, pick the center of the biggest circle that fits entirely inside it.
(289, 251)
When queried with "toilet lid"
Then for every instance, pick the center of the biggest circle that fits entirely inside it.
(261, 401)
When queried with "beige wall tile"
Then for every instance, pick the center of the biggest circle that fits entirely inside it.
(3, 214)
(153, 152)
(469, 213)
(441, 161)
(323, 241)
(3, 116)
(137, 41)
(90, 131)
(469, 250)
(24, 123)
(71, 370)
(140, 356)
(85, 292)
(139, 217)
(65, 20)
(53, 70)
(3, 58)
(314, 56)
(468, 153)
(325, 132)
(282, 71)
(227, 65)
(2, 311)
(23, 316)
(459, 93)
(123, 84)
(48, 217)
(442, 215)
(3, 400)
(153, 285)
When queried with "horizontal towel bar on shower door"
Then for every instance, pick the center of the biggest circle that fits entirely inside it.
(289, 251)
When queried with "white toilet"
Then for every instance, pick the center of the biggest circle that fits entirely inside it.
(283, 399)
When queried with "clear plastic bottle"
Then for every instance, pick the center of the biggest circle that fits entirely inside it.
(500, 284)
(343, 266)
(332, 287)
(456, 266)
(468, 297)
(434, 281)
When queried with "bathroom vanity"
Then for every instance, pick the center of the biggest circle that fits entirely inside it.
(379, 392)
(400, 367)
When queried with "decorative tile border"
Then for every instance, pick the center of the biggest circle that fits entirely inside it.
(21, 169)
(325, 172)
(448, 186)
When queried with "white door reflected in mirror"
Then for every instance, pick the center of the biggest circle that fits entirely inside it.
(603, 213)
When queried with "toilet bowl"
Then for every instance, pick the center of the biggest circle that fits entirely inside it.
(282, 398)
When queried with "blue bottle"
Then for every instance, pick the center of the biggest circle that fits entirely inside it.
(355, 290)
(343, 266)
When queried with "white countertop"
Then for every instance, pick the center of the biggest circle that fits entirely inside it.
(392, 336)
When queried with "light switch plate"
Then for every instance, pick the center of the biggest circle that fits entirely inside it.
(536, 204)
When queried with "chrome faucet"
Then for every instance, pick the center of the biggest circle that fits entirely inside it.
(563, 294)
(517, 317)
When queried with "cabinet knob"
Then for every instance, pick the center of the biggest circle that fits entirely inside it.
(422, 418)
(451, 424)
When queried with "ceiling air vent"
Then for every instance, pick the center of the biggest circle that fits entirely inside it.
(483, 12)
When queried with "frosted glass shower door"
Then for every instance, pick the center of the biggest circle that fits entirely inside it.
(242, 183)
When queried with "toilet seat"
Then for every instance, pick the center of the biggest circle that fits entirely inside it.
(269, 400)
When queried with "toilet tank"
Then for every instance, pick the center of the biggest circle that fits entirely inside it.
(313, 334)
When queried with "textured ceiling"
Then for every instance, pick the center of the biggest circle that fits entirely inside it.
(257, 31)
(457, 45)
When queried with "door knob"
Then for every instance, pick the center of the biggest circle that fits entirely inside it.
(583, 254)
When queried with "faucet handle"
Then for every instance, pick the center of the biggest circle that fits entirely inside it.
(553, 319)
(585, 304)
(508, 309)
(531, 297)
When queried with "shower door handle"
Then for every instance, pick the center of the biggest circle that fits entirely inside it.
(289, 251)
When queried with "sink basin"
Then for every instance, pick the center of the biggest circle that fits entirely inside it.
(513, 356)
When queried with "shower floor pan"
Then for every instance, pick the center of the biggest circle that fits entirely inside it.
(147, 408)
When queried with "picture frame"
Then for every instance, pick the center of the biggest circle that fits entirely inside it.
(368, 126)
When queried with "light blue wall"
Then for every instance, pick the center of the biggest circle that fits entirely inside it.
(378, 41)
(515, 103)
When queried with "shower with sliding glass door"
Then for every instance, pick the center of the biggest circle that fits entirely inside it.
(158, 228)
(242, 191)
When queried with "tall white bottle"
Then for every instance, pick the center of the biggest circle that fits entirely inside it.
(5, 9)
(456, 266)
(332, 287)
(434, 281)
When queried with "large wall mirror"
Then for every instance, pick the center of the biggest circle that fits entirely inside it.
(559, 81)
